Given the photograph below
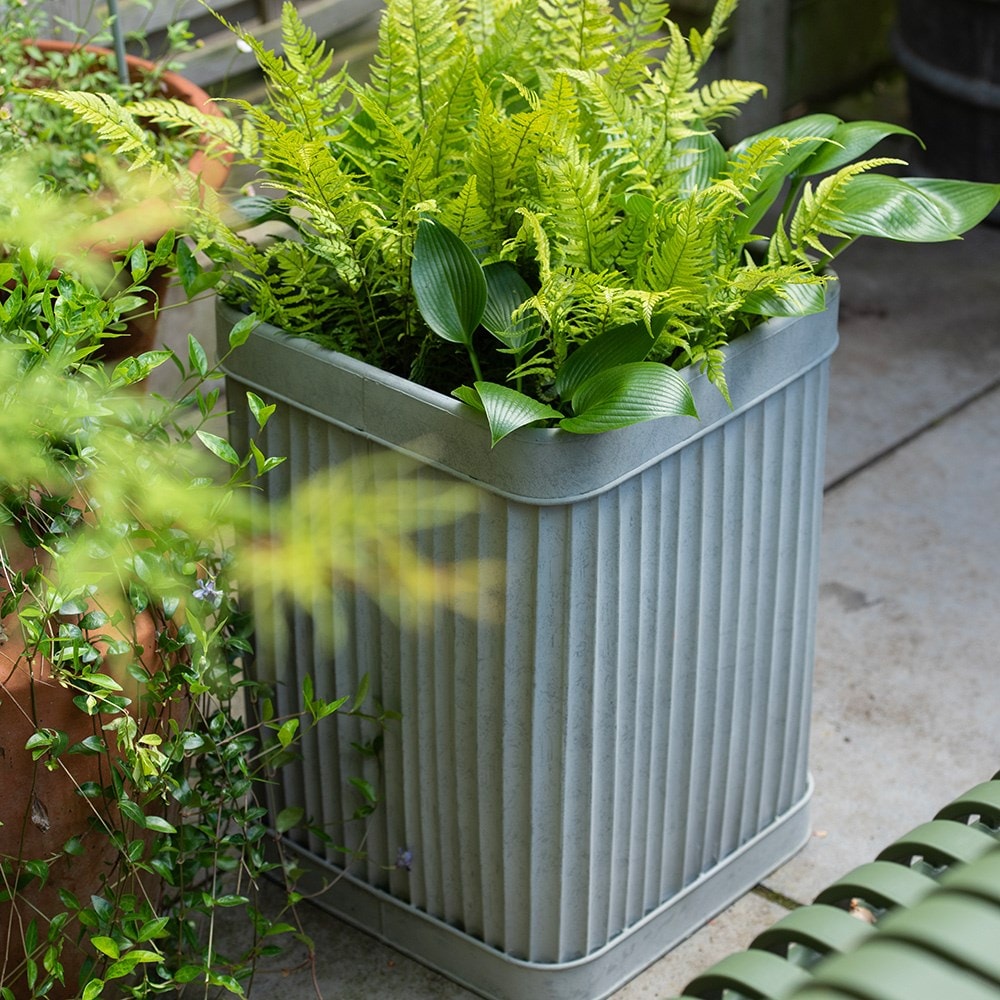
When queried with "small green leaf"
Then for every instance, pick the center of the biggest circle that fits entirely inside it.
(365, 788)
(261, 411)
(219, 447)
(131, 811)
(628, 395)
(507, 409)
(94, 619)
(92, 990)
(288, 819)
(287, 732)
(197, 358)
(448, 282)
(159, 825)
(137, 262)
(242, 329)
(106, 946)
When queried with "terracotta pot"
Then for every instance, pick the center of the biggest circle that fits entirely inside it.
(41, 809)
(150, 219)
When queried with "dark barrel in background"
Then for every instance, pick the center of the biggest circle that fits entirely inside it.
(950, 53)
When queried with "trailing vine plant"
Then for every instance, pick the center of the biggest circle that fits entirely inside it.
(135, 751)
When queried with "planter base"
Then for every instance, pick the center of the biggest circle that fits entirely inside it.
(496, 976)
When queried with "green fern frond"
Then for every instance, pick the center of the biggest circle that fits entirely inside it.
(630, 138)
(532, 235)
(637, 26)
(189, 121)
(114, 124)
(683, 246)
(416, 47)
(510, 50)
(465, 217)
(578, 34)
(722, 98)
(454, 99)
(676, 76)
(582, 216)
(703, 45)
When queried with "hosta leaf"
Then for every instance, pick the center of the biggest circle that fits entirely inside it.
(629, 394)
(964, 204)
(849, 142)
(506, 292)
(793, 298)
(507, 409)
(448, 282)
(926, 212)
(621, 345)
(702, 158)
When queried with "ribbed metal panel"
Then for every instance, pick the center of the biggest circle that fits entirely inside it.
(638, 716)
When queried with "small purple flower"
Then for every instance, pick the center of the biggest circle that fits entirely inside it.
(207, 591)
(404, 859)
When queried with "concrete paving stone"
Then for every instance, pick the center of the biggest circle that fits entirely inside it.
(918, 329)
(732, 930)
(349, 965)
(907, 695)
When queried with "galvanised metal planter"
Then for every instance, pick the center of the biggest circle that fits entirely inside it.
(585, 782)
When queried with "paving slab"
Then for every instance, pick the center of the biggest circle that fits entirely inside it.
(907, 694)
(919, 328)
(731, 931)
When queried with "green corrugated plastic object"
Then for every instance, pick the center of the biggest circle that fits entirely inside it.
(935, 897)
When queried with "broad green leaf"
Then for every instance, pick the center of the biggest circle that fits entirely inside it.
(618, 346)
(627, 395)
(448, 282)
(849, 142)
(701, 158)
(793, 298)
(506, 291)
(469, 396)
(896, 209)
(507, 409)
(963, 204)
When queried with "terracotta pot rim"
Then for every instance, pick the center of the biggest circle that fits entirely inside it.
(213, 170)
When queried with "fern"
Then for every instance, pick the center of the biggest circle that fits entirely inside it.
(551, 134)
(583, 218)
(417, 43)
(578, 34)
(114, 124)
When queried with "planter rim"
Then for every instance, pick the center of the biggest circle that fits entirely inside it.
(534, 465)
